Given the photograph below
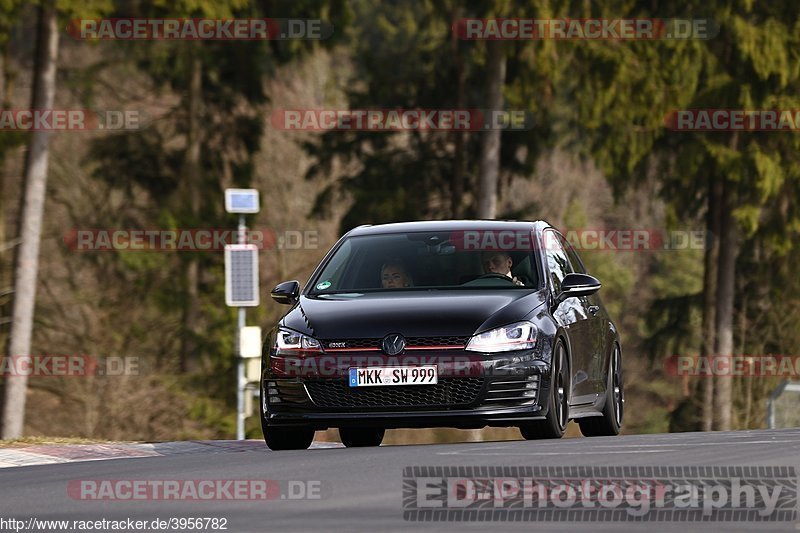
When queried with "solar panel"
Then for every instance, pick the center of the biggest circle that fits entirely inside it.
(241, 275)
(241, 201)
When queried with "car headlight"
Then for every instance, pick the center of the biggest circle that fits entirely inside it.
(296, 343)
(518, 336)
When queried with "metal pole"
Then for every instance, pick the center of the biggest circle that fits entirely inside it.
(241, 381)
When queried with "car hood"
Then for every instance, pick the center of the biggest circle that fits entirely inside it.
(410, 313)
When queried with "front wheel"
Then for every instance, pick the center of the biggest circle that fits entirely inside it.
(284, 438)
(555, 423)
(610, 422)
(361, 437)
(278, 438)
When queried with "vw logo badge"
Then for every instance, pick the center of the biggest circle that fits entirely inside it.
(393, 344)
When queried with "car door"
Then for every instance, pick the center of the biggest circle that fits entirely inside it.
(597, 331)
(571, 314)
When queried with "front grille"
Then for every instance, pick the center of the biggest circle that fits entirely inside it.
(411, 342)
(513, 391)
(414, 342)
(449, 392)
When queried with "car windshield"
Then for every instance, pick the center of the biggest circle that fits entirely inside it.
(462, 259)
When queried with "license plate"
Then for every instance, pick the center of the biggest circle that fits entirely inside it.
(381, 376)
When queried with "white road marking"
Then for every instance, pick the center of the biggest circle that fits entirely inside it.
(534, 452)
(685, 444)
(615, 449)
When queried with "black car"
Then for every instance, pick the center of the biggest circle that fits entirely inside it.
(461, 324)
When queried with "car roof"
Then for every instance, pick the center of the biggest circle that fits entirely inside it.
(448, 225)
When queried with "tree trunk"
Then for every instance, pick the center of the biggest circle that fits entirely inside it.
(490, 146)
(4, 245)
(459, 154)
(191, 173)
(710, 295)
(27, 256)
(723, 396)
(7, 244)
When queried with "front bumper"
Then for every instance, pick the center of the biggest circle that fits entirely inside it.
(474, 390)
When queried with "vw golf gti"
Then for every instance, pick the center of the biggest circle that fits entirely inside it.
(461, 324)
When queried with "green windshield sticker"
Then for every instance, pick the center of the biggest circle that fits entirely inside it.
(323, 285)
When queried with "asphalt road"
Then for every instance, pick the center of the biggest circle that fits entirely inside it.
(362, 489)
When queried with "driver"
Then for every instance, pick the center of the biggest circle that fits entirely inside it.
(394, 275)
(499, 263)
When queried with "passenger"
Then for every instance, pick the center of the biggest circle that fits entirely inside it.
(394, 275)
(499, 263)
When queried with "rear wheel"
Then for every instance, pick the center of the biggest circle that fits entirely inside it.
(610, 422)
(555, 423)
(361, 437)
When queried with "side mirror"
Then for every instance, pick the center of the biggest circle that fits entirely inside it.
(286, 293)
(578, 285)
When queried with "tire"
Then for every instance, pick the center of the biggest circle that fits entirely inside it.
(283, 438)
(555, 423)
(610, 423)
(278, 438)
(361, 437)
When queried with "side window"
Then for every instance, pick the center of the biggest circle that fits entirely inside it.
(574, 259)
(558, 264)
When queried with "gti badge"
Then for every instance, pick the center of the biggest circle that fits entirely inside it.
(393, 344)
